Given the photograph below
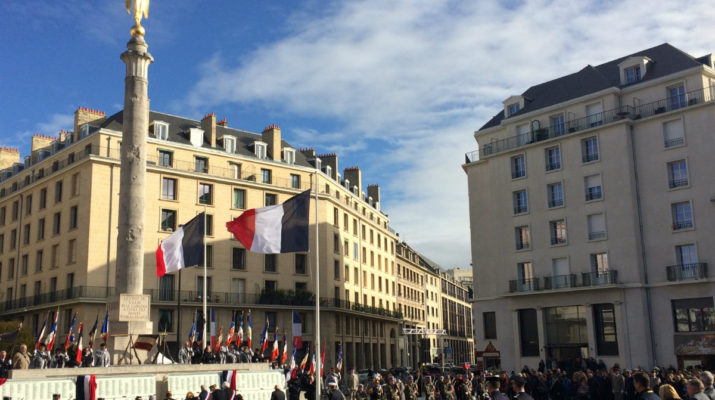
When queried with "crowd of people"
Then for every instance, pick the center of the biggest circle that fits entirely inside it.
(60, 358)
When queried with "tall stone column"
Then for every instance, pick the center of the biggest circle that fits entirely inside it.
(131, 306)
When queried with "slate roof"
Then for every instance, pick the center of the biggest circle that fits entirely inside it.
(179, 133)
(665, 58)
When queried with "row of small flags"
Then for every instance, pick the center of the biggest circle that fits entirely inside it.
(49, 339)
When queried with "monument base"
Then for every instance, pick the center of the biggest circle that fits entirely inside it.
(131, 314)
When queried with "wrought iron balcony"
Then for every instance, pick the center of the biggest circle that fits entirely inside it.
(689, 99)
(590, 157)
(560, 281)
(556, 203)
(676, 183)
(673, 142)
(524, 285)
(683, 272)
(593, 193)
(42, 299)
(520, 209)
(600, 278)
(596, 235)
(679, 225)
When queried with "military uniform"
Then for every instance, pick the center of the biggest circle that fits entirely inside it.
(391, 392)
(185, 355)
(410, 391)
(429, 391)
(40, 359)
(375, 390)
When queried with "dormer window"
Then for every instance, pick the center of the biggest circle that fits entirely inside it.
(512, 105)
(196, 136)
(161, 130)
(289, 155)
(318, 164)
(229, 144)
(84, 131)
(259, 149)
(328, 170)
(513, 108)
(633, 74)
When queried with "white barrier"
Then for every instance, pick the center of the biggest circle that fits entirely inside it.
(125, 387)
(251, 385)
(35, 389)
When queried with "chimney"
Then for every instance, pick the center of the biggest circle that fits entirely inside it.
(208, 124)
(331, 160)
(8, 157)
(272, 136)
(40, 142)
(308, 152)
(222, 123)
(374, 192)
(86, 116)
(354, 175)
(63, 135)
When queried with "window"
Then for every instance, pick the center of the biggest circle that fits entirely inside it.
(677, 174)
(295, 181)
(26, 234)
(201, 164)
(518, 167)
(336, 243)
(200, 286)
(513, 109)
(593, 187)
(11, 269)
(161, 130)
(266, 176)
(595, 114)
(557, 230)
(168, 189)
(355, 251)
(209, 256)
(75, 184)
(599, 263)
(239, 199)
(166, 320)
(694, 315)
(525, 277)
(596, 227)
(682, 215)
(523, 237)
(229, 144)
(58, 192)
(490, 325)
(56, 220)
(73, 217)
(676, 97)
(673, 133)
(43, 202)
(346, 248)
(336, 269)
(259, 148)
(687, 255)
(238, 260)
(271, 286)
(589, 149)
(72, 251)
(166, 158)
(40, 230)
(289, 156)
(235, 170)
(38, 260)
(2, 216)
(2, 244)
(555, 194)
(553, 158)
(633, 74)
(168, 220)
(15, 210)
(205, 193)
(301, 287)
(13, 239)
(520, 201)
(24, 264)
(528, 333)
(166, 288)
(28, 204)
(270, 199)
(55, 259)
(301, 264)
(209, 227)
(269, 263)
(557, 125)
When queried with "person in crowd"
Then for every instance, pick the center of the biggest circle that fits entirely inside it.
(410, 389)
(294, 388)
(190, 395)
(101, 356)
(492, 388)
(375, 389)
(21, 360)
(222, 355)
(618, 383)
(5, 364)
(333, 392)
(361, 394)
(429, 389)
(696, 390)
(185, 353)
(169, 396)
(641, 383)
(353, 382)
(517, 384)
(707, 378)
(278, 393)
(232, 355)
(668, 392)
(207, 356)
(40, 358)
(87, 357)
(310, 388)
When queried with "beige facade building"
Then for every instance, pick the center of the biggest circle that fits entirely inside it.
(592, 217)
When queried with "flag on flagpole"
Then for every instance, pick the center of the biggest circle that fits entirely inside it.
(93, 332)
(52, 334)
(322, 359)
(183, 248)
(311, 371)
(41, 333)
(285, 350)
(192, 332)
(78, 357)
(293, 366)
(70, 335)
(231, 331)
(219, 339)
(264, 339)
(339, 363)
(304, 362)
(212, 328)
(240, 331)
(282, 228)
(275, 351)
(249, 333)
(297, 330)
(230, 378)
(105, 328)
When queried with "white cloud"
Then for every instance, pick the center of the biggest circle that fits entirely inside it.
(421, 76)
(50, 127)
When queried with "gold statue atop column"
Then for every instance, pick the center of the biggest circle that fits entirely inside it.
(140, 7)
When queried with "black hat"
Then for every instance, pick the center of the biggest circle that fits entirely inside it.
(519, 381)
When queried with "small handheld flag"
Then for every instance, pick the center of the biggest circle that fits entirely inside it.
(240, 331)
(264, 339)
(50, 339)
(322, 359)
(105, 328)
(93, 332)
(78, 356)
(42, 332)
(70, 334)
(231, 331)
(249, 332)
(192, 332)
(297, 330)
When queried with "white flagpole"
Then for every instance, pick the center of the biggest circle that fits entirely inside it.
(204, 295)
(318, 380)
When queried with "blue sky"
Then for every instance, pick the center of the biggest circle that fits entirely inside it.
(395, 87)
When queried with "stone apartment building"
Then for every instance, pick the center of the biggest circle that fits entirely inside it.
(58, 232)
(592, 215)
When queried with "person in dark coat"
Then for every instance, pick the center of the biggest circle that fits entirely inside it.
(518, 383)
(493, 386)
(207, 357)
(294, 389)
(278, 394)
(204, 393)
(310, 388)
(334, 392)
(641, 382)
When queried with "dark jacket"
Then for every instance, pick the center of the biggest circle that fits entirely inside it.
(523, 396)
(278, 395)
(497, 395)
(647, 395)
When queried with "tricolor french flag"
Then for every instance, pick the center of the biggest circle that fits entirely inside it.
(275, 351)
(183, 248)
(86, 387)
(297, 330)
(52, 335)
(230, 377)
(282, 228)
(285, 350)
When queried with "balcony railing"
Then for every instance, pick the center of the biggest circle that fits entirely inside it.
(556, 203)
(560, 281)
(524, 285)
(520, 209)
(692, 98)
(590, 157)
(673, 142)
(676, 183)
(682, 225)
(596, 235)
(593, 193)
(685, 272)
(600, 278)
(77, 292)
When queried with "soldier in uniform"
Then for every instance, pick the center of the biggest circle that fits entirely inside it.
(222, 354)
(40, 358)
(374, 392)
(465, 389)
(391, 391)
(101, 356)
(429, 389)
(441, 386)
(448, 391)
(232, 356)
(410, 389)
(361, 394)
(186, 353)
